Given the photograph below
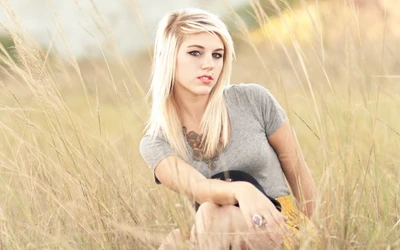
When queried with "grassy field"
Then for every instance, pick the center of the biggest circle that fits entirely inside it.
(71, 176)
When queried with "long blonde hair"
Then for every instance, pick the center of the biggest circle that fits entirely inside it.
(164, 120)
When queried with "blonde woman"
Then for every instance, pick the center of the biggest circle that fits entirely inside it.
(200, 126)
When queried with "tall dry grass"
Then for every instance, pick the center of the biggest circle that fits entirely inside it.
(71, 176)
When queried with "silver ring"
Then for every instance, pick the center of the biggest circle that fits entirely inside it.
(258, 220)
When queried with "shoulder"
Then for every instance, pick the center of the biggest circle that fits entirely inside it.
(150, 142)
(245, 88)
(250, 92)
(145, 143)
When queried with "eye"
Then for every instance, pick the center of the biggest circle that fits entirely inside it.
(194, 53)
(217, 55)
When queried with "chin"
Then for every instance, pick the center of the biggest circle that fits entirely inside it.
(203, 91)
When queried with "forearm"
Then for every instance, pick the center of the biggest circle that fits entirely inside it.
(180, 177)
(296, 171)
(216, 191)
(305, 192)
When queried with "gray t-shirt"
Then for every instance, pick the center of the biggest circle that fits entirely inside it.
(254, 114)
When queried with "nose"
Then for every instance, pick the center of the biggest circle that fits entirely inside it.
(208, 62)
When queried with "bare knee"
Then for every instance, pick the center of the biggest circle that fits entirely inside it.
(209, 227)
(174, 240)
(175, 235)
(206, 214)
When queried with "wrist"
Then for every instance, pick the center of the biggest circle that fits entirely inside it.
(240, 188)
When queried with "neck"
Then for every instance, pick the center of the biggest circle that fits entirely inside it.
(192, 109)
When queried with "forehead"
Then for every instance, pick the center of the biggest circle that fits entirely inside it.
(204, 39)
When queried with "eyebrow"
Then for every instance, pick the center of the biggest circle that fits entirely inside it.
(201, 47)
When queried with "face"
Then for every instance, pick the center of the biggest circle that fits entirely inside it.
(199, 65)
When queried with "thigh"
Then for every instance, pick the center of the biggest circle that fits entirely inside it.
(229, 222)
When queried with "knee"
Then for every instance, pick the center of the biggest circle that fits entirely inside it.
(206, 232)
(172, 241)
(206, 214)
(175, 235)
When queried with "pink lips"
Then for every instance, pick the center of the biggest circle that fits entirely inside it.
(206, 79)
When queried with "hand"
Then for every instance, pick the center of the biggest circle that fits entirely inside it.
(251, 202)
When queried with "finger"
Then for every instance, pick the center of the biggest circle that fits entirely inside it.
(285, 218)
(258, 220)
(250, 221)
(284, 225)
(279, 221)
(274, 234)
(248, 216)
(269, 231)
(270, 225)
(283, 228)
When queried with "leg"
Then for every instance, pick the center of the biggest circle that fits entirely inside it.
(206, 231)
(221, 227)
(173, 241)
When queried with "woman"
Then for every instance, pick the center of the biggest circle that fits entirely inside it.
(200, 126)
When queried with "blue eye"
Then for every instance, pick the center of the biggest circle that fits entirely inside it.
(217, 55)
(194, 53)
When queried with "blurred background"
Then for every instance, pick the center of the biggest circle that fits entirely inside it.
(131, 23)
(74, 75)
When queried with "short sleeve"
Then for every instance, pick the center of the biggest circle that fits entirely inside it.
(273, 115)
(153, 151)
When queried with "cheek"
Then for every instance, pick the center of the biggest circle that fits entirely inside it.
(179, 68)
(219, 65)
(183, 63)
(185, 66)
(180, 77)
(182, 71)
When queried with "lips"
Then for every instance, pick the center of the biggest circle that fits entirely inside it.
(206, 78)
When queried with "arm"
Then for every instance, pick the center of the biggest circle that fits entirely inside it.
(294, 167)
(179, 176)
